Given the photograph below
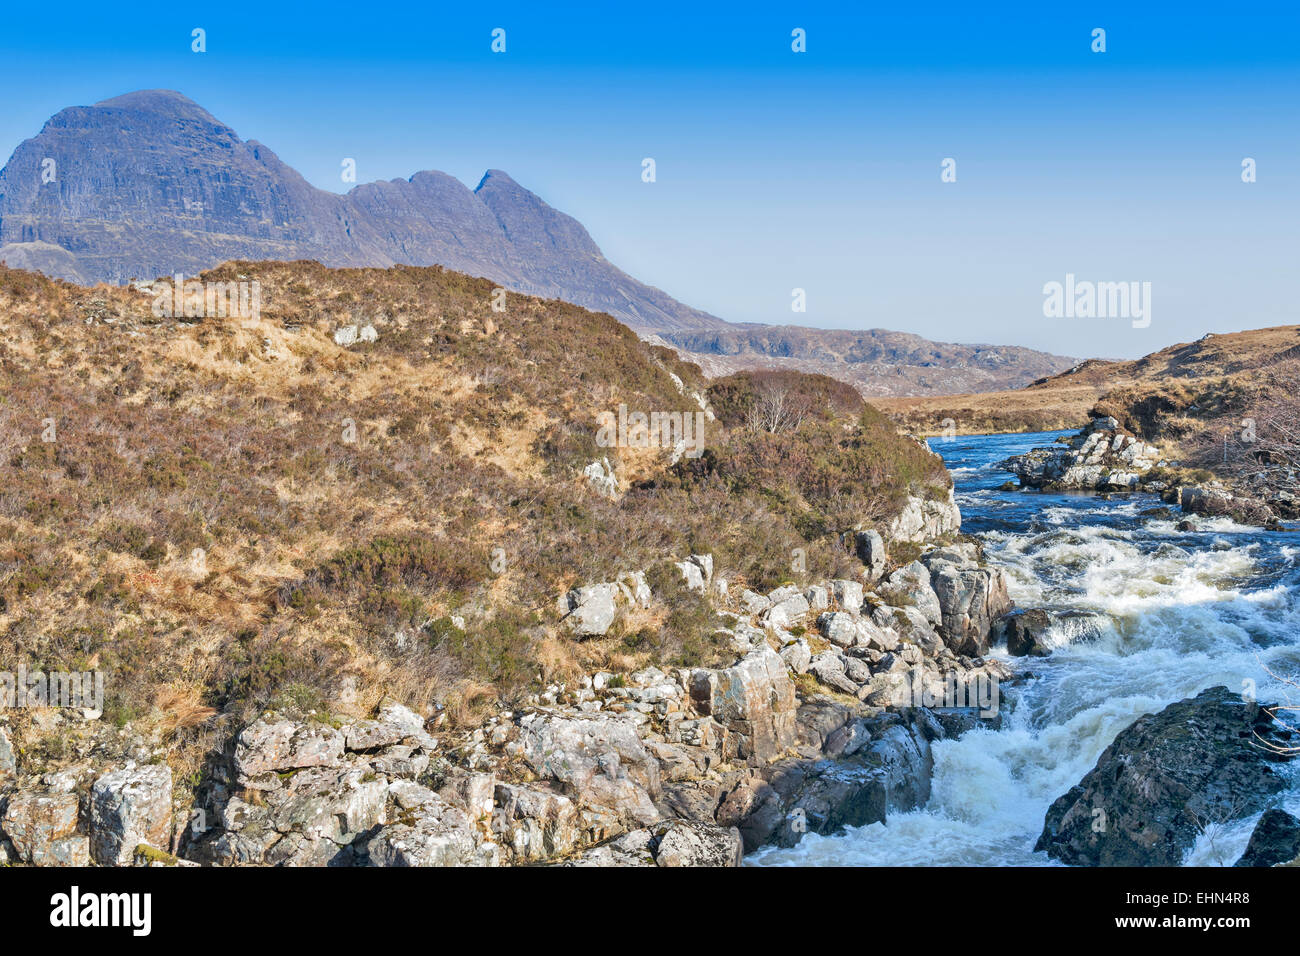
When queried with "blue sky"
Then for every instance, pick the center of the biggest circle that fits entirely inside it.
(778, 170)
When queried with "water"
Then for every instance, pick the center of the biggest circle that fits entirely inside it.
(1164, 615)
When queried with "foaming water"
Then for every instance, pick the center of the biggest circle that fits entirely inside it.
(1151, 615)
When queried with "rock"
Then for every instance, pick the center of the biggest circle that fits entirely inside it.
(589, 611)
(848, 740)
(600, 475)
(818, 598)
(271, 746)
(129, 807)
(970, 599)
(705, 563)
(1101, 457)
(910, 586)
(787, 611)
(828, 667)
(371, 735)
(1275, 839)
(847, 595)
(42, 827)
(754, 700)
(869, 546)
(684, 843)
(839, 627)
(797, 656)
(600, 762)
(1026, 633)
(1197, 762)
(534, 824)
(441, 836)
(8, 764)
(925, 519)
(754, 603)
(693, 576)
(329, 804)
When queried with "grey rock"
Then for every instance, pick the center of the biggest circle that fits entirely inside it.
(128, 807)
(1198, 762)
(270, 746)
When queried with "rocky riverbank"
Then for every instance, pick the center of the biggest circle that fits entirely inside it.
(825, 719)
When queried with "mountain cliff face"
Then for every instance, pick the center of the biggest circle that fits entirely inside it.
(149, 184)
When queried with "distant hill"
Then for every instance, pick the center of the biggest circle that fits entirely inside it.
(1186, 379)
(877, 362)
(150, 184)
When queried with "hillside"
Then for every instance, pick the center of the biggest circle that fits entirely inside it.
(1161, 395)
(376, 487)
(877, 362)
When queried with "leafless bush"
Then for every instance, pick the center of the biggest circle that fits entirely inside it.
(776, 408)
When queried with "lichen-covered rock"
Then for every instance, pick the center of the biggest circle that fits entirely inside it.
(269, 746)
(128, 807)
(970, 600)
(926, 519)
(598, 760)
(41, 826)
(754, 700)
(589, 611)
(440, 835)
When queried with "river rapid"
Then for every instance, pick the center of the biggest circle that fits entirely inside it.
(1163, 614)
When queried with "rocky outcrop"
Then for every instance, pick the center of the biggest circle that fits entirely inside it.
(666, 768)
(1199, 762)
(926, 519)
(1102, 457)
(754, 700)
(1275, 839)
(677, 843)
(129, 807)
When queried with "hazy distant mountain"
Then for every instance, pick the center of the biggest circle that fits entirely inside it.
(877, 361)
(150, 184)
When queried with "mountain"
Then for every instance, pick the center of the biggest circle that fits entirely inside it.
(877, 362)
(151, 184)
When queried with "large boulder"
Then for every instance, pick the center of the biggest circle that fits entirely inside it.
(1026, 632)
(440, 835)
(910, 586)
(128, 807)
(1201, 761)
(42, 827)
(754, 700)
(589, 611)
(270, 746)
(926, 519)
(599, 761)
(869, 546)
(1275, 839)
(970, 600)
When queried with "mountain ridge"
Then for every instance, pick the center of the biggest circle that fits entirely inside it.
(149, 183)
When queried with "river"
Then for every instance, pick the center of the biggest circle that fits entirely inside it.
(1163, 615)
